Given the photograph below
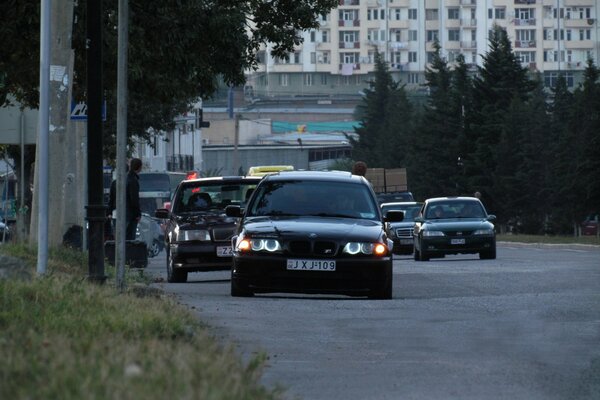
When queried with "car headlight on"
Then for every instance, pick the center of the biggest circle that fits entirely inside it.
(365, 248)
(484, 232)
(191, 235)
(433, 233)
(268, 245)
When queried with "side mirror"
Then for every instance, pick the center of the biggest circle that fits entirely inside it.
(491, 217)
(394, 216)
(161, 213)
(233, 211)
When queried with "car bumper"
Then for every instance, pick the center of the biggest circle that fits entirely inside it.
(403, 245)
(444, 245)
(199, 257)
(352, 277)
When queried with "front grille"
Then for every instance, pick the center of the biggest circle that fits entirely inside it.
(459, 233)
(309, 248)
(223, 234)
(404, 232)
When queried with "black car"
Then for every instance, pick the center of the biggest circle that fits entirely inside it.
(454, 225)
(312, 232)
(402, 232)
(198, 233)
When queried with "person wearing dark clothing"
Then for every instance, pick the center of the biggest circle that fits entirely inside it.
(133, 211)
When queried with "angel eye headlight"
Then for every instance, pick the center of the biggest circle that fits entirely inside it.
(352, 248)
(270, 245)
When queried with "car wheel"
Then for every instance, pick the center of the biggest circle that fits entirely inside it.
(384, 293)
(416, 253)
(154, 249)
(424, 256)
(488, 255)
(174, 275)
(238, 290)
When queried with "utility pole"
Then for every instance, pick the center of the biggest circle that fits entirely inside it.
(236, 141)
(96, 211)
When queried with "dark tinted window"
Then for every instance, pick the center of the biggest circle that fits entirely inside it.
(202, 196)
(410, 211)
(155, 182)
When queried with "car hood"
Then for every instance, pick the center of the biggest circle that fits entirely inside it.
(407, 224)
(314, 228)
(458, 223)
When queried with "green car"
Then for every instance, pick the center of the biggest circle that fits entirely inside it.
(454, 225)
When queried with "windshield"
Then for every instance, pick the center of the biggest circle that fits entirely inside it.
(205, 196)
(410, 211)
(455, 209)
(299, 198)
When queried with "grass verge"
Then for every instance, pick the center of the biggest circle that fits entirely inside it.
(588, 240)
(65, 338)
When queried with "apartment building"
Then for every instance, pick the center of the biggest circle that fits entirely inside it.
(549, 36)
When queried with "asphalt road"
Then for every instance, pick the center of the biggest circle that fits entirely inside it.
(523, 326)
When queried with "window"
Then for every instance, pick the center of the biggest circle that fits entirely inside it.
(525, 35)
(313, 36)
(326, 57)
(308, 79)
(412, 13)
(432, 14)
(348, 15)
(349, 58)
(430, 56)
(568, 34)
(412, 35)
(297, 57)
(500, 13)
(349, 36)
(559, 34)
(453, 56)
(325, 36)
(324, 79)
(283, 80)
(524, 13)
(381, 13)
(396, 14)
(412, 56)
(453, 13)
(261, 57)
(396, 57)
(397, 35)
(432, 35)
(313, 57)
(585, 34)
(526, 57)
(551, 78)
(373, 34)
(454, 35)
(413, 78)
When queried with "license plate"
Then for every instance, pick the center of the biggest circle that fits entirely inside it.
(406, 241)
(311, 265)
(224, 251)
(457, 241)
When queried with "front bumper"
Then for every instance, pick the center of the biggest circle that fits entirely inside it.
(355, 277)
(199, 256)
(445, 245)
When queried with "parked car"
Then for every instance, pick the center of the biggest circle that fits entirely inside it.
(454, 225)
(312, 232)
(4, 231)
(197, 231)
(394, 197)
(402, 232)
(150, 232)
(590, 225)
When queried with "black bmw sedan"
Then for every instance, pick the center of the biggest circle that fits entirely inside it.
(312, 232)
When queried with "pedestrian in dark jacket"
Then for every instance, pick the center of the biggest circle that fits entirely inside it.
(133, 210)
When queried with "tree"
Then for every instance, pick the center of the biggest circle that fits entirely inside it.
(385, 115)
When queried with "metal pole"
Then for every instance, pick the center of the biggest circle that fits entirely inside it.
(21, 216)
(96, 210)
(44, 126)
(120, 247)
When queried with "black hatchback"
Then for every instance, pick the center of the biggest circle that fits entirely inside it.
(198, 233)
(312, 232)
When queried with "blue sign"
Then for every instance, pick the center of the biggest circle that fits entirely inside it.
(79, 111)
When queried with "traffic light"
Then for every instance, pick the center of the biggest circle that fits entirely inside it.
(200, 123)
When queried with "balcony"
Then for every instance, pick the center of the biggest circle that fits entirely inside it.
(349, 23)
(579, 22)
(468, 22)
(469, 44)
(342, 3)
(349, 45)
(525, 44)
(524, 22)
(589, 3)
(353, 66)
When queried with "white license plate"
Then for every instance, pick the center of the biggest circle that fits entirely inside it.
(311, 265)
(224, 251)
(457, 241)
(406, 241)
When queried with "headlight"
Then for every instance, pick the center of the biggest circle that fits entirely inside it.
(269, 245)
(484, 232)
(365, 248)
(189, 235)
(433, 233)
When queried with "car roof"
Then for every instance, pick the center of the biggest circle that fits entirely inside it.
(333, 176)
(401, 203)
(451, 198)
(225, 179)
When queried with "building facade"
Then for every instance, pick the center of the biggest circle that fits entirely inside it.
(549, 36)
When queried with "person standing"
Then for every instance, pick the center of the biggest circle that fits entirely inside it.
(133, 211)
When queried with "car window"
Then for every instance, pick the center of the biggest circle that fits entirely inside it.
(300, 198)
(410, 212)
(211, 196)
(455, 209)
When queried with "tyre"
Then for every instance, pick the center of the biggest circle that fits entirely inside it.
(154, 249)
(174, 275)
(385, 292)
(238, 290)
(424, 256)
(488, 255)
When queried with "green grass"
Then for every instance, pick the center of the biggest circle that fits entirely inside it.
(66, 338)
(550, 239)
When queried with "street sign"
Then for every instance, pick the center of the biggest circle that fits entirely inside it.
(10, 125)
(79, 111)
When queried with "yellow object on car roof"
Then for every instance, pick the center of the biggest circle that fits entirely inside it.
(268, 169)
